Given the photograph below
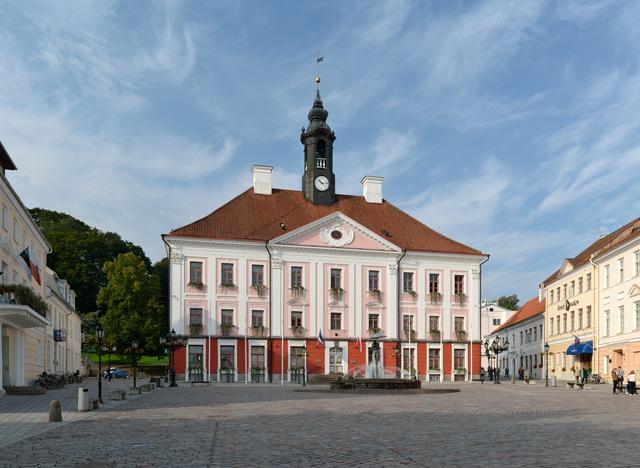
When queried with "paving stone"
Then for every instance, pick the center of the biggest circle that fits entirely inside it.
(269, 425)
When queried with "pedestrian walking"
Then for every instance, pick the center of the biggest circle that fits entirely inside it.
(631, 383)
(497, 373)
(614, 379)
(576, 374)
(585, 375)
(506, 372)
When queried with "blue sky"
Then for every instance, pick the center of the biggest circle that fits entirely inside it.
(510, 126)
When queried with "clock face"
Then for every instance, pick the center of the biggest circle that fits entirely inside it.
(322, 183)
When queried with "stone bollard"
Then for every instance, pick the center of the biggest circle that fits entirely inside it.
(55, 411)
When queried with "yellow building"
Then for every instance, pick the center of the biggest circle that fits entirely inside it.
(23, 321)
(618, 268)
(570, 315)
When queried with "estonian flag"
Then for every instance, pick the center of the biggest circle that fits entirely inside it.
(359, 343)
(33, 268)
(321, 338)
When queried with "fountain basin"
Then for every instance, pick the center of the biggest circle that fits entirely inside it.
(364, 385)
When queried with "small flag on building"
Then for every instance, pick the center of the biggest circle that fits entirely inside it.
(33, 268)
(321, 338)
(359, 343)
(576, 340)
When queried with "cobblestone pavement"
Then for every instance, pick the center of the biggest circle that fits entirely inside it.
(234, 425)
(22, 416)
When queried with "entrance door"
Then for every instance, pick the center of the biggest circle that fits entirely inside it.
(6, 359)
(195, 363)
(335, 360)
(257, 364)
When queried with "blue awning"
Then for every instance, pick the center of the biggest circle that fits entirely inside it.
(584, 347)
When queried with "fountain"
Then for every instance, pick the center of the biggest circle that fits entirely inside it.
(375, 378)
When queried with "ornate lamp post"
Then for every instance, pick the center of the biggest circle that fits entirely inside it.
(174, 341)
(100, 336)
(498, 346)
(546, 365)
(134, 346)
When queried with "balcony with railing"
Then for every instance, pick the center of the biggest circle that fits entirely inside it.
(298, 293)
(298, 331)
(459, 299)
(196, 329)
(258, 331)
(435, 298)
(336, 294)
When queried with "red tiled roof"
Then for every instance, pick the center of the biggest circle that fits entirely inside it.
(601, 246)
(530, 309)
(252, 217)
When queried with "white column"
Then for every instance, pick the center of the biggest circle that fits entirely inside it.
(20, 357)
(358, 306)
(277, 299)
(393, 328)
(313, 301)
(446, 295)
(177, 296)
(421, 289)
(353, 290)
(319, 287)
(242, 296)
(474, 301)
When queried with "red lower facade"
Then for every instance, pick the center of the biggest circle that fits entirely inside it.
(240, 360)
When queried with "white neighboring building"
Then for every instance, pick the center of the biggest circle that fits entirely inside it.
(525, 332)
(64, 336)
(492, 316)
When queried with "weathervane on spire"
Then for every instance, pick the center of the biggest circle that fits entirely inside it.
(318, 60)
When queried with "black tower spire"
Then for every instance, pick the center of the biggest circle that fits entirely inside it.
(318, 181)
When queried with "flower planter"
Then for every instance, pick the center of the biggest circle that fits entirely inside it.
(435, 335)
(258, 331)
(461, 335)
(195, 329)
(227, 329)
(297, 331)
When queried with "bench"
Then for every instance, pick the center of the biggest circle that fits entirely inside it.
(134, 391)
(202, 383)
(118, 395)
(94, 404)
(157, 381)
(147, 387)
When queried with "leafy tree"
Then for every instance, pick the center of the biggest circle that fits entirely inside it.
(131, 304)
(509, 302)
(79, 253)
(161, 270)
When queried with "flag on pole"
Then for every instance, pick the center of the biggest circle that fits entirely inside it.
(576, 340)
(321, 338)
(33, 268)
(359, 343)
(320, 59)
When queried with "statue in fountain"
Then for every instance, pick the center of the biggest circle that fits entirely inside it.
(375, 369)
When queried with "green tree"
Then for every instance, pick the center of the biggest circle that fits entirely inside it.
(131, 304)
(509, 302)
(79, 253)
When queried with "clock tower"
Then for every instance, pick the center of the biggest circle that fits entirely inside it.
(318, 181)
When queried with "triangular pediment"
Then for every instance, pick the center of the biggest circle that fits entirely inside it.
(634, 290)
(336, 231)
(566, 267)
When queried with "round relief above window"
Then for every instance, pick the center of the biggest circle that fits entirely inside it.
(337, 235)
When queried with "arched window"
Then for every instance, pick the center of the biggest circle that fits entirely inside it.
(321, 159)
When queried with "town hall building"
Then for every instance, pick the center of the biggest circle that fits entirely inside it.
(277, 285)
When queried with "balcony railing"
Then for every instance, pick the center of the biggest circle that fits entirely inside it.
(460, 335)
(434, 335)
(336, 294)
(374, 295)
(258, 331)
(23, 295)
(459, 299)
(196, 329)
(298, 331)
(297, 292)
(228, 329)
(435, 298)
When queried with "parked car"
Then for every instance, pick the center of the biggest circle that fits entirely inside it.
(116, 373)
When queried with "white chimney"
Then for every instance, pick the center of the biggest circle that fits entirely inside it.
(372, 188)
(261, 179)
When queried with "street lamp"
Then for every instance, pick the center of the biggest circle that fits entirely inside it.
(497, 347)
(134, 345)
(174, 341)
(100, 336)
(546, 371)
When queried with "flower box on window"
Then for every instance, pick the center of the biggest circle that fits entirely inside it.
(435, 297)
(227, 285)
(260, 288)
(195, 329)
(297, 330)
(435, 334)
(461, 335)
(410, 292)
(374, 330)
(376, 293)
(336, 293)
(460, 370)
(258, 330)
(227, 328)
(409, 334)
(196, 284)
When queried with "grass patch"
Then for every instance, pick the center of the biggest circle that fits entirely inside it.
(117, 360)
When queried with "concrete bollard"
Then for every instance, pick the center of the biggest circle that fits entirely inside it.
(55, 411)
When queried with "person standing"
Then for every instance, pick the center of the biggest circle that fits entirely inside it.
(631, 383)
(506, 372)
(620, 375)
